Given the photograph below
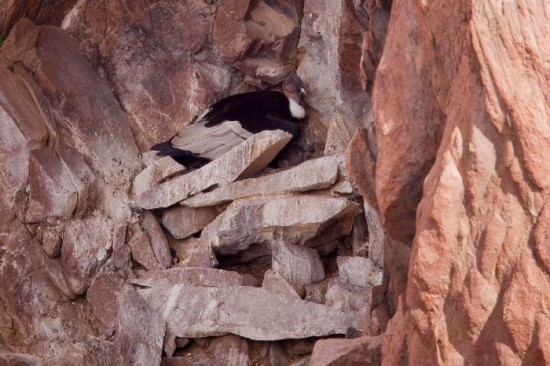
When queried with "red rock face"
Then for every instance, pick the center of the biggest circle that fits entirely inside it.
(460, 108)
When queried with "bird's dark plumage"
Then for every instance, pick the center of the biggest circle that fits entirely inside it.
(232, 120)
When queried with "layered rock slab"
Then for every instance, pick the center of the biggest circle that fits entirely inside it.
(293, 219)
(254, 313)
(243, 161)
(311, 175)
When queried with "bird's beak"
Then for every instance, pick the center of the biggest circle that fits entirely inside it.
(303, 91)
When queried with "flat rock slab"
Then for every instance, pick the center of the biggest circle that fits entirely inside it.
(196, 276)
(292, 219)
(313, 174)
(155, 173)
(182, 222)
(251, 312)
(243, 161)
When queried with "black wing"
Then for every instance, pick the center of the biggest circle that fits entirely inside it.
(249, 109)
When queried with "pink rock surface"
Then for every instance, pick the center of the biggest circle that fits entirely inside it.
(460, 104)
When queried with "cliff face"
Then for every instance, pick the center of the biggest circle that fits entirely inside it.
(461, 108)
(88, 252)
(447, 151)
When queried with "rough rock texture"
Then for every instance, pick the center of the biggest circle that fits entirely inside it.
(182, 222)
(243, 161)
(460, 103)
(140, 330)
(365, 351)
(41, 12)
(155, 173)
(298, 265)
(77, 105)
(242, 310)
(79, 97)
(329, 38)
(84, 250)
(311, 175)
(66, 146)
(182, 53)
(269, 220)
(358, 271)
(276, 283)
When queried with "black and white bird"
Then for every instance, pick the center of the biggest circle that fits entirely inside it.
(232, 120)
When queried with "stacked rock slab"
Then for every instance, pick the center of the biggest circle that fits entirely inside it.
(288, 216)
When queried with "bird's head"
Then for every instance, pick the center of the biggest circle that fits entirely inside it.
(293, 87)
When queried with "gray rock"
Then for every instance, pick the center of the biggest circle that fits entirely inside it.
(140, 331)
(359, 271)
(344, 188)
(347, 298)
(298, 265)
(243, 161)
(292, 219)
(84, 250)
(155, 173)
(316, 292)
(358, 351)
(251, 312)
(194, 252)
(159, 244)
(311, 175)
(182, 222)
(276, 284)
(197, 276)
(60, 184)
(140, 245)
(169, 344)
(376, 236)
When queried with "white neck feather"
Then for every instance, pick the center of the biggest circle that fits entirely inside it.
(296, 110)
